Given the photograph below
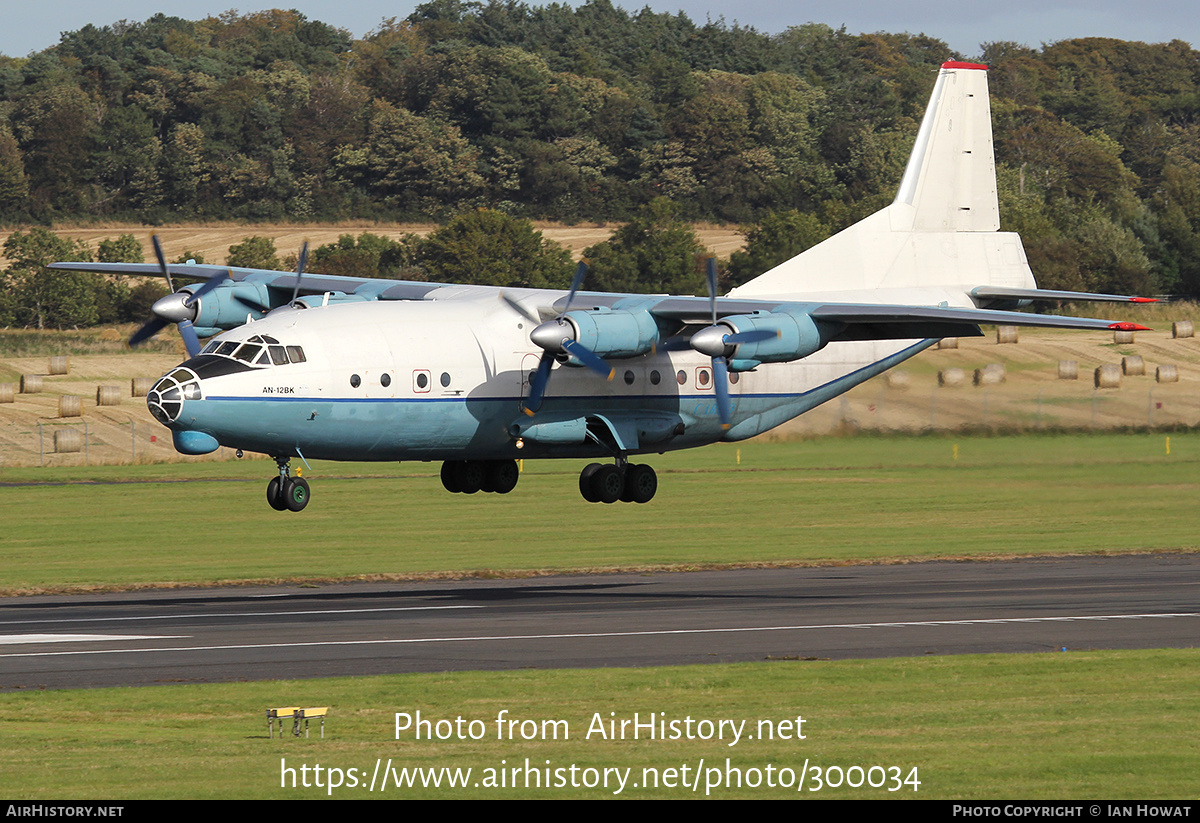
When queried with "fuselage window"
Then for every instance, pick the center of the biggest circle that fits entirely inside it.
(278, 355)
(228, 347)
(628, 378)
(703, 378)
(385, 380)
(734, 377)
(295, 354)
(420, 380)
(211, 347)
(355, 380)
(445, 379)
(681, 377)
(655, 378)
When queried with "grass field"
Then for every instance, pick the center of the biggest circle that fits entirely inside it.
(1069, 725)
(853, 499)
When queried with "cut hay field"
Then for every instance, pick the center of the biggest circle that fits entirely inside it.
(213, 240)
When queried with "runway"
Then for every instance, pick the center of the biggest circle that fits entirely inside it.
(189, 636)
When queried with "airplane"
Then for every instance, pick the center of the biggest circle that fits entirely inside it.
(313, 366)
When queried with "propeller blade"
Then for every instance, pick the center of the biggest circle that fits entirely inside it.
(300, 270)
(576, 282)
(712, 288)
(537, 388)
(162, 261)
(519, 309)
(191, 340)
(211, 284)
(754, 336)
(721, 384)
(589, 358)
(152, 327)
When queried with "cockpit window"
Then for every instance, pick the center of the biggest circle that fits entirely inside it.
(248, 352)
(254, 351)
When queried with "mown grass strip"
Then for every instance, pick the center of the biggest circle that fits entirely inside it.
(1066, 725)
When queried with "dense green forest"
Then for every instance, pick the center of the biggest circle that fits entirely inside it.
(596, 113)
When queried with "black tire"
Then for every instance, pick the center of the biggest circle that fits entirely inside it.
(295, 493)
(275, 495)
(502, 476)
(585, 482)
(641, 483)
(468, 475)
(449, 475)
(607, 484)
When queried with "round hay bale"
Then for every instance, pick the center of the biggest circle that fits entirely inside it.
(1006, 334)
(899, 380)
(68, 440)
(140, 386)
(990, 375)
(7, 393)
(60, 364)
(31, 383)
(1068, 369)
(108, 396)
(1167, 374)
(1108, 376)
(948, 343)
(111, 334)
(1123, 337)
(70, 405)
(951, 377)
(1133, 365)
(1182, 328)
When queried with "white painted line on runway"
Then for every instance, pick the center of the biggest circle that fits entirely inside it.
(230, 614)
(649, 633)
(17, 639)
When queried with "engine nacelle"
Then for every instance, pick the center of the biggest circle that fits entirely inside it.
(796, 335)
(605, 332)
(228, 305)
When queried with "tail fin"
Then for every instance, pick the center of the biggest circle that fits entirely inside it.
(943, 227)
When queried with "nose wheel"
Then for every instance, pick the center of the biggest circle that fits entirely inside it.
(287, 493)
(606, 483)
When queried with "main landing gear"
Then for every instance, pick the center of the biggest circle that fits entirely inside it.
(608, 483)
(470, 476)
(287, 493)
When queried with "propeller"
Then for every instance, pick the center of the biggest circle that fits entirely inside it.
(179, 307)
(300, 270)
(719, 343)
(556, 336)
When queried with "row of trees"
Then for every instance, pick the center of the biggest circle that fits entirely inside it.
(654, 251)
(593, 113)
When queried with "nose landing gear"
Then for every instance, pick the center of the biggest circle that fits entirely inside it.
(287, 493)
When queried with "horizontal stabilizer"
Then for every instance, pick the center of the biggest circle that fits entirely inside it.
(854, 314)
(1000, 293)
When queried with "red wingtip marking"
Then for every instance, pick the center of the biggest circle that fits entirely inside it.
(955, 64)
(1143, 300)
(1128, 327)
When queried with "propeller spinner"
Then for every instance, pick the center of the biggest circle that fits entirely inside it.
(557, 337)
(179, 307)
